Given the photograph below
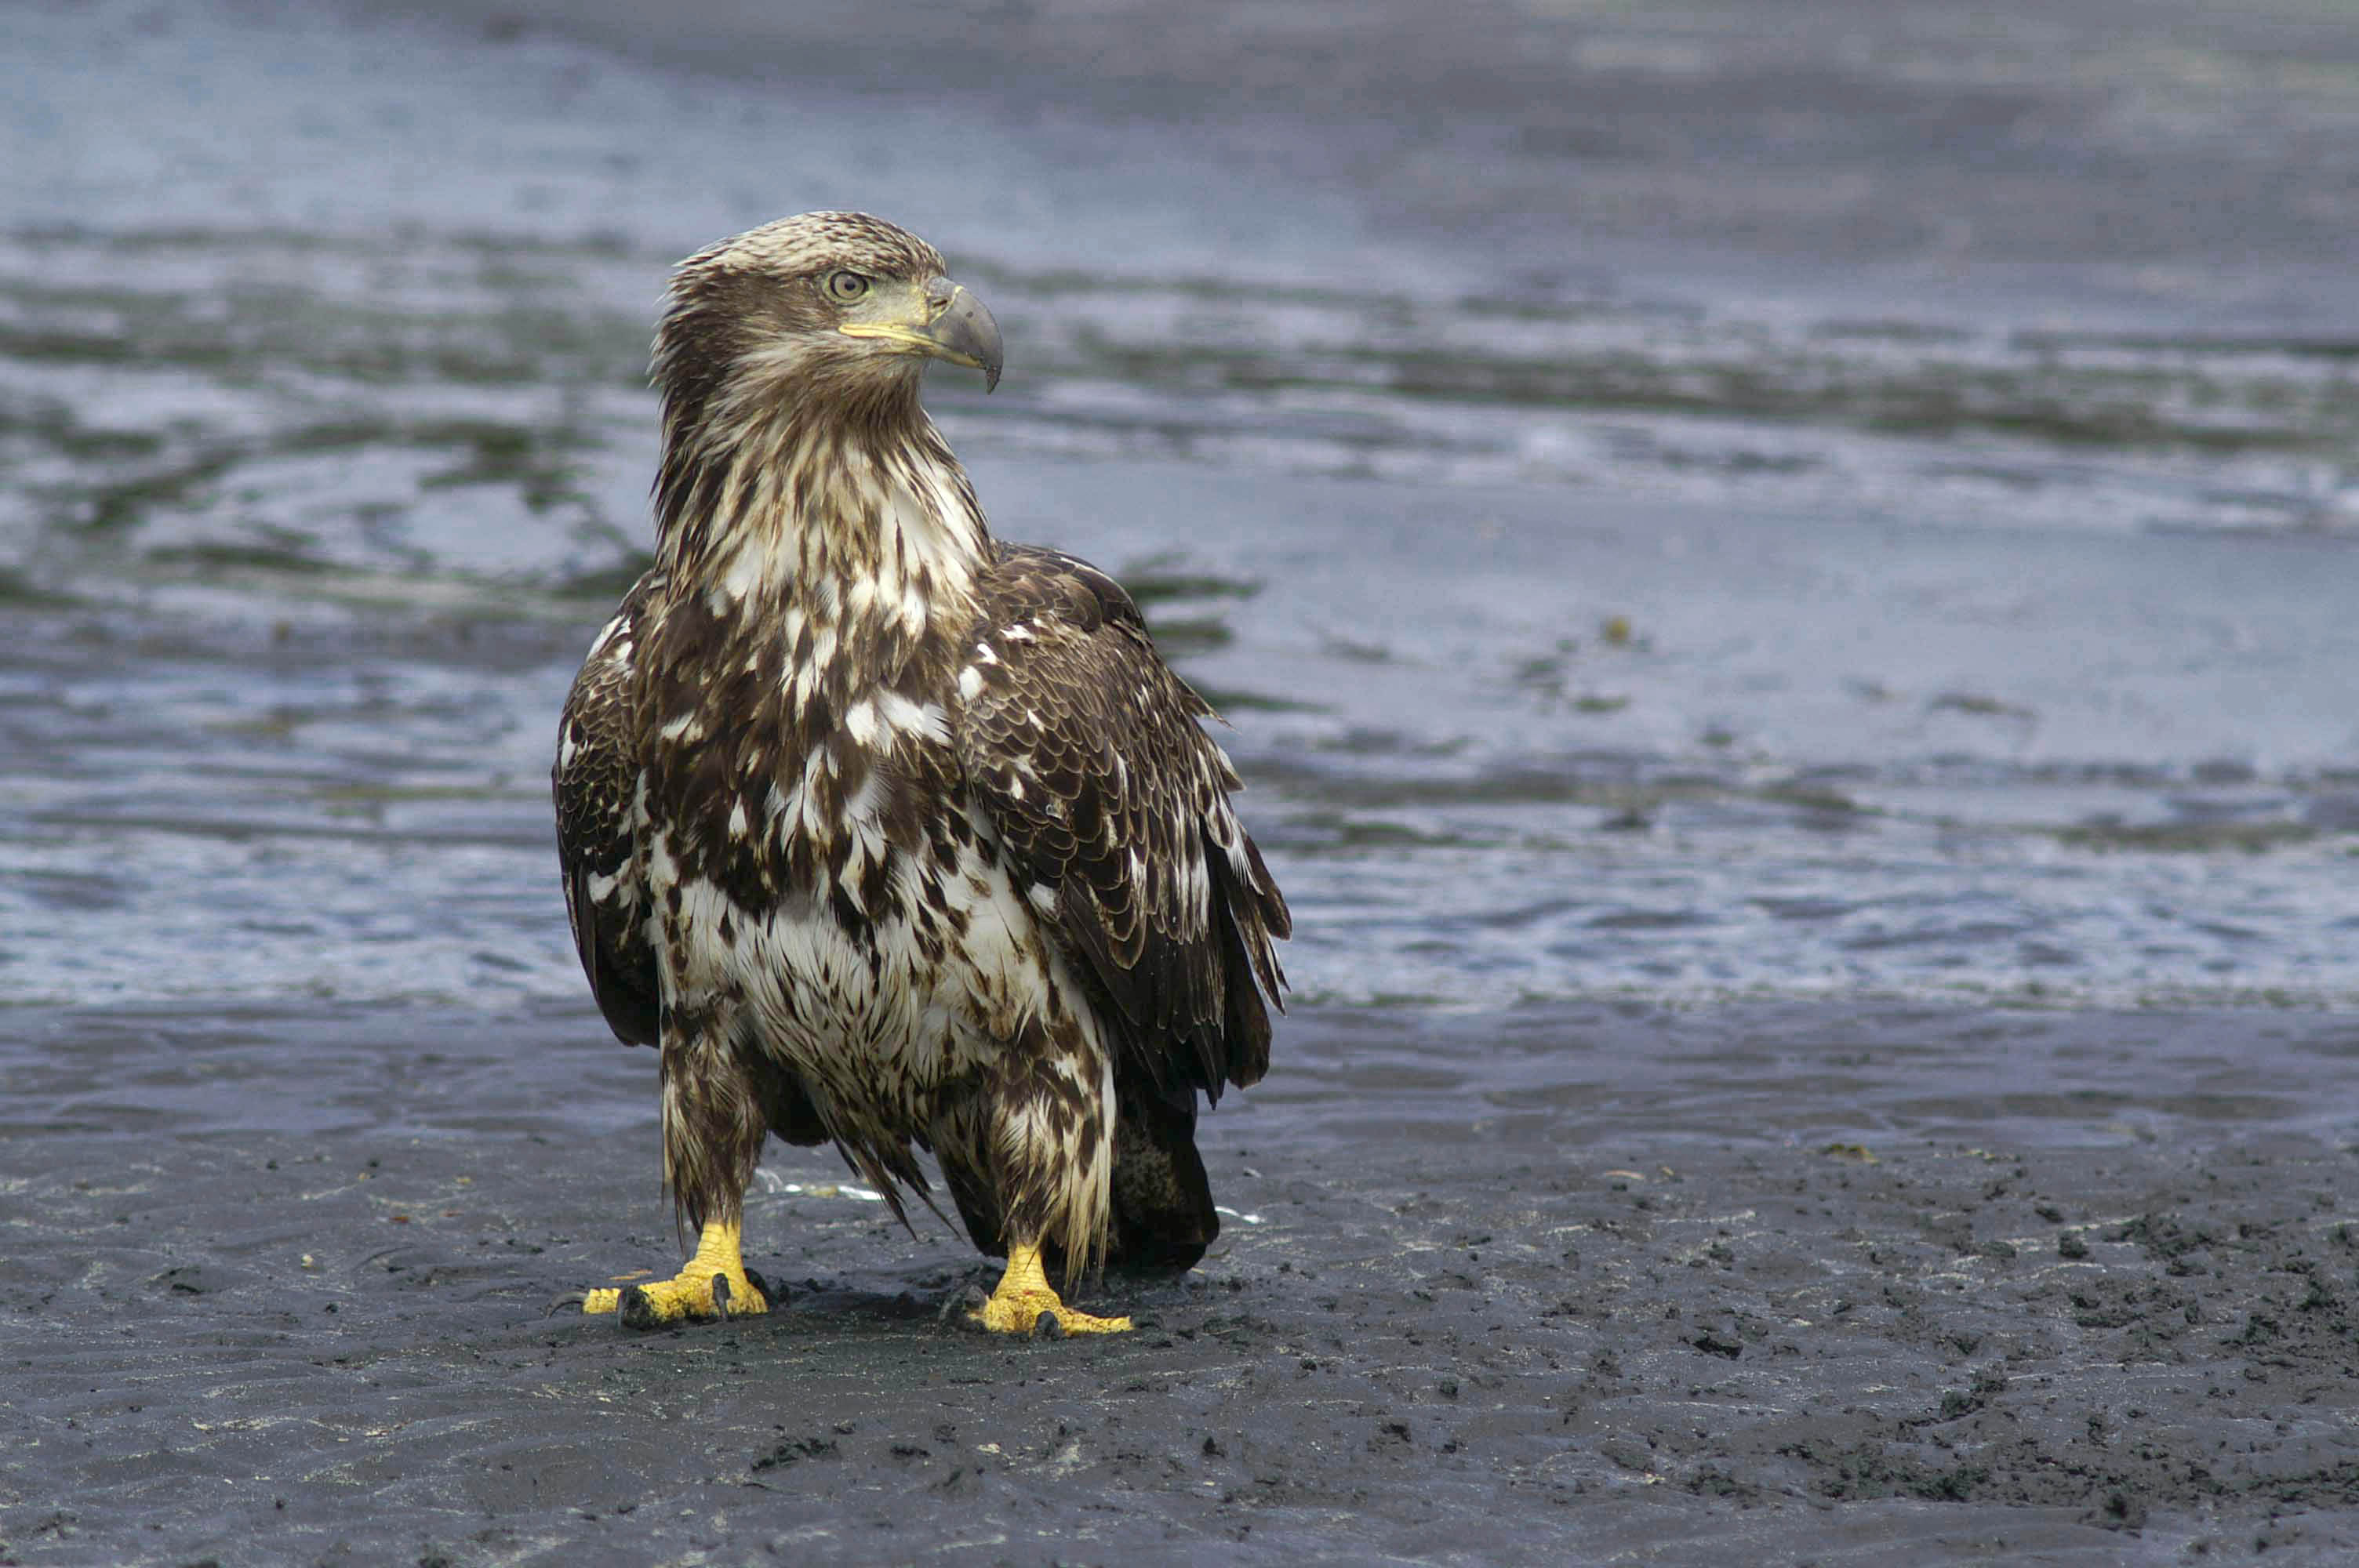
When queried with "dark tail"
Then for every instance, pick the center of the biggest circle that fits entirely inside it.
(1162, 1205)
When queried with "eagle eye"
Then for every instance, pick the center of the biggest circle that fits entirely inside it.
(843, 286)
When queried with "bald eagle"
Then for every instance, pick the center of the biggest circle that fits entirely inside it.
(888, 834)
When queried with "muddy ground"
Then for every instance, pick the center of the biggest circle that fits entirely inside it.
(1778, 1285)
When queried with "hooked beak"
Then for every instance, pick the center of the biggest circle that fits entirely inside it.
(941, 320)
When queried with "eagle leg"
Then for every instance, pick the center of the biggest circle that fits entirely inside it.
(713, 1283)
(1024, 1293)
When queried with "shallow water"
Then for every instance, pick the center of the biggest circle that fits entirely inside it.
(1892, 534)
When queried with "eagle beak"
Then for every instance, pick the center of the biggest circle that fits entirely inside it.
(944, 321)
(961, 330)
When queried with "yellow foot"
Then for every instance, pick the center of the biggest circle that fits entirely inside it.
(714, 1283)
(1015, 1307)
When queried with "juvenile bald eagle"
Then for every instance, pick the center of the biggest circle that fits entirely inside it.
(888, 834)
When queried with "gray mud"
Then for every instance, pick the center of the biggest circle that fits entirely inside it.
(1785, 1292)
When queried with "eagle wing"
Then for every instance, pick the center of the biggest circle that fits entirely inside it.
(596, 783)
(600, 815)
(1084, 751)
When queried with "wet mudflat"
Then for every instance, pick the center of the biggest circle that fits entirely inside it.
(1574, 1284)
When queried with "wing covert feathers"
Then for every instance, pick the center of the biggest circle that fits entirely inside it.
(596, 783)
(1084, 750)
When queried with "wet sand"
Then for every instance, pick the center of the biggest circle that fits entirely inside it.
(1784, 1284)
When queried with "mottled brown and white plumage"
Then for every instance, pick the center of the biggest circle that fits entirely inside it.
(885, 832)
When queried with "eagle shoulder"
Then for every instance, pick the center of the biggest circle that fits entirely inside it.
(1084, 751)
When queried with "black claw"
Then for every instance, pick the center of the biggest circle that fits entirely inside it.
(1046, 1325)
(772, 1293)
(963, 1310)
(722, 1291)
(572, 1299)
(638, 1310)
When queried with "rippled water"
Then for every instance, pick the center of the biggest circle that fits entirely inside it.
(1727, 594)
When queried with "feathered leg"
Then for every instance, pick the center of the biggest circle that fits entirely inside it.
(714, 1125)
(1051, 1149)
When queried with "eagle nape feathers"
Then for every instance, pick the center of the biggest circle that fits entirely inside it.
(889, 834)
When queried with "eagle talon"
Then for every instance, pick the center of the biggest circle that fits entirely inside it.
(964, 1310)
(1046, 1325)
(1023, 1301)
(713, 1285)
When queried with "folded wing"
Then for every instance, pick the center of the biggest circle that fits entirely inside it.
(596, 784)
(1086, 754)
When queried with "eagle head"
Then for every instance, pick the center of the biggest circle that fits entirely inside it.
(837, 311)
